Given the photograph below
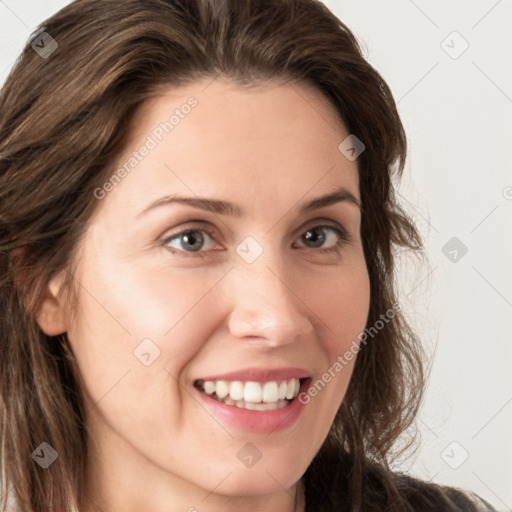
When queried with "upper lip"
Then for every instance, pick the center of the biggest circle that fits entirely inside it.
(260, 374)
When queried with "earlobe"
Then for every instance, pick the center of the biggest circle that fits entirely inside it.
(51, 316)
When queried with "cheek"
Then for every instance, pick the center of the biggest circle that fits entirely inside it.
(138, 326)
(342, 302)
(126, 304)
(123, 303)
(135, 333)
(132, 314)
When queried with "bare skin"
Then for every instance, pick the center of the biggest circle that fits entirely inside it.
(154, 446)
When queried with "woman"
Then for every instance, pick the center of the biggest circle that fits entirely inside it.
(197, 235)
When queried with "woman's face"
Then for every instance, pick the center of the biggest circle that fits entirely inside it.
(255, 292)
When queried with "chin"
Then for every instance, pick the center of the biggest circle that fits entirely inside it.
(262, 479)
(256, 485)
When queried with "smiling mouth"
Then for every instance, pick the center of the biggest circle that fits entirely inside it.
(255, 396)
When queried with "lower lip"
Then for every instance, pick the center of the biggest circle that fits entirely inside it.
(256, 421)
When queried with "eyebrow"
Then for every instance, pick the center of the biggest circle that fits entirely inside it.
(221, 207)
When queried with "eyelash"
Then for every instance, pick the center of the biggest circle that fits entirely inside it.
(344, 236)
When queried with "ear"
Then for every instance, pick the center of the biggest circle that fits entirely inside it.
(51, 315)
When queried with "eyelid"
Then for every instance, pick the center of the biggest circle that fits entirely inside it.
(322, 222)
(210, 231)
(201, 225)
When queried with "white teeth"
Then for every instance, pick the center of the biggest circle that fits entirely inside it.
(270, 392)
(221, 388)
(253, 395)
(265, 407)
(228, 401)
(236, 390)
(290, 390)
(209, 387)
(242, 404)
(281, 394)
(253, 392)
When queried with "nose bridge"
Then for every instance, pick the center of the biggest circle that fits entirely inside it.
(264, 303)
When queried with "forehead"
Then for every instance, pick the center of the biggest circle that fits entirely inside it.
(229, 95)
(274, 141)
(239, 117)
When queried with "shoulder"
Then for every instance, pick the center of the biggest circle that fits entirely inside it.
(333, 481)
(421, 495)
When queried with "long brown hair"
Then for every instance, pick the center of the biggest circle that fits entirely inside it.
(64, 117)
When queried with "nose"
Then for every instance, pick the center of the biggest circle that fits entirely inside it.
(266, 308)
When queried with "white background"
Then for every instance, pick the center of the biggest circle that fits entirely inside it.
(457, 114)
